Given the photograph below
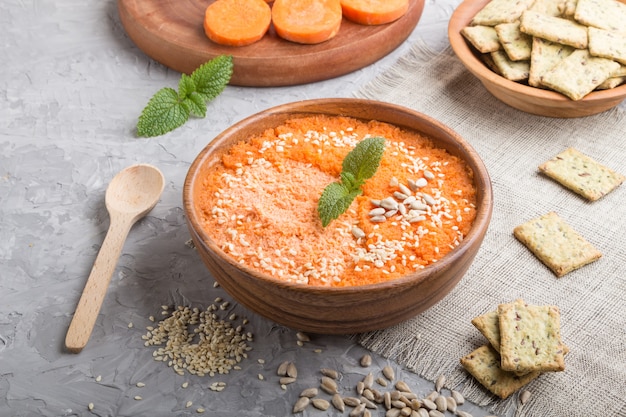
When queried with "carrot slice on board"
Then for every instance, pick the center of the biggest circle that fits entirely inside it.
(237, 22)
(306, 21)
(374, 12)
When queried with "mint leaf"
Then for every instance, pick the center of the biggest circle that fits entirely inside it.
(163, 113)
(363, 160)
(169, 109)
(212, 77)
(359, 165)
(335, 200)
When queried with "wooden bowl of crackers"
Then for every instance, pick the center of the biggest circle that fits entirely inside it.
(252, 203)
(543, 58)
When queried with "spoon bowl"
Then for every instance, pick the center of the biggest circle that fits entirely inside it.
(132, 193)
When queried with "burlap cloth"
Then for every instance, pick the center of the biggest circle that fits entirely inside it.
(592, 300)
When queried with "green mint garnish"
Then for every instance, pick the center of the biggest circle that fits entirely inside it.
(169, 109)
(357, 167)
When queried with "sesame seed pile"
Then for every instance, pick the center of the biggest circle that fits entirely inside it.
(260, 203)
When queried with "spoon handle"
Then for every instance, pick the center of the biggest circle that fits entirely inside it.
(95, 289)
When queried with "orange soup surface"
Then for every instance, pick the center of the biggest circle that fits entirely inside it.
(260, 203)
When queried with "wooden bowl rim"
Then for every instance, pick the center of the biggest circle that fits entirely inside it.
(468, 57)
(481, 178)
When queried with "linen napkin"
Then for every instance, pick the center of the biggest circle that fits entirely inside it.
(592, 300)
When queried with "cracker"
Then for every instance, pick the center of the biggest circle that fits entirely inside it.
(511, 70)
(607, 44)
(488, 325)
(544, 56)
(516, 44)
(603, 14)
(500, 11)
(484, 365)
(483, 38)
(579, 74)
(611, 83)
(530, 338)
(555, 29)
(620, 72)
(582, 174)
(556, 244)
(549, 7)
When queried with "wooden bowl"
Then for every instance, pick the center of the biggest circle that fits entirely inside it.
(339, 310)
(520, 96)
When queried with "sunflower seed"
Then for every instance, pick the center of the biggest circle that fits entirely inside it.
(389, 373)
(331, 373)
(301, 404)
(421, 182)
(435, 413)
(357, 411)
(387, 400)
(292, 371)
(458, 397)
(303, 337)
(338, 402)
(368, 403)
(357, 232)
(320, 404)
(400, 196)
(404, 189)
(309, 392)
(428, 199)
(429, 175)
(351, 401)
(451, 404)
(441, 379)
(415, 404)
(418, 205)
(463, 414)
(389, 203)
(282, 369)
(382, 382)
(367, 413)
(377, 211)
(432, 396)
(368, 381)
(402, 386)
(428, 404)
(391, 213)
(398, 404)
(286, 380)
(422, 412)
(393, 412)
(441, 403)
(366, 360)
(360, 387)
(368, 394)
(378, 219)
(524, 397)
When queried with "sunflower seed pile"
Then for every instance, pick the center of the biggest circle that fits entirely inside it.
(376, 394)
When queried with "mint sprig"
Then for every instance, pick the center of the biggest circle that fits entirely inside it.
(169, 109)
(358, 166)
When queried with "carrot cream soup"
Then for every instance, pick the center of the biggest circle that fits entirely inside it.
(260, 203)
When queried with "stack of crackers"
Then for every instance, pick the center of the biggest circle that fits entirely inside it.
(524, 342)
(570, 46)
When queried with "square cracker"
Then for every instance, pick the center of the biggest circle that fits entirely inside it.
(582, 174)
(549, 7)
(511, 70)
(515, 43)
(500, 11)
(554, 29)
(579, 74)
(611, 83)
(484, 365)
(603, 14)
(544, 56)
(530, 338)
(483, 38)
(607, 44)
(556, 243)
(488, 325)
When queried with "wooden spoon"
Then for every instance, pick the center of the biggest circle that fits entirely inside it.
(132, 193)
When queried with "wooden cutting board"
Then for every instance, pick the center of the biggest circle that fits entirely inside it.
(171, 32)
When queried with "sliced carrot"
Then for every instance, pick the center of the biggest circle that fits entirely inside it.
(306, 21)
(237, 22)
(374, 12)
